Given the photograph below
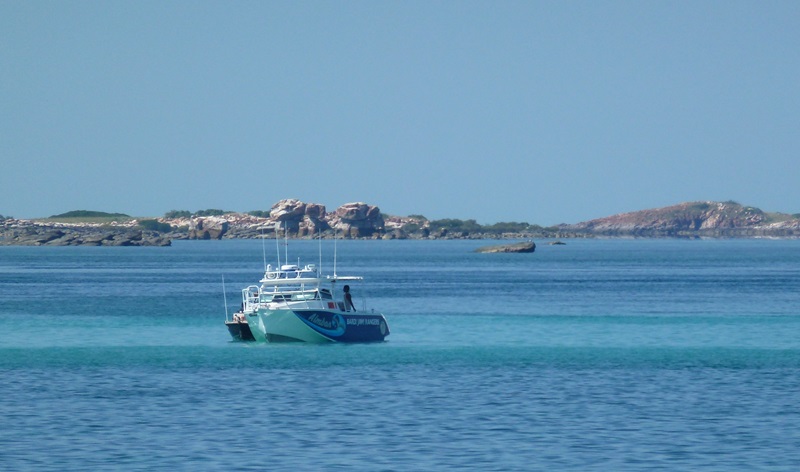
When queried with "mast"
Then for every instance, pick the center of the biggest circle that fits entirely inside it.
(334, 251)
(277, 245)
(264, 248)
(224, 297)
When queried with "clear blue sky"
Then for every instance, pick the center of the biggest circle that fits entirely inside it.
(544, 112)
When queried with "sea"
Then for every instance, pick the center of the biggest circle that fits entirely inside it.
(595, 355)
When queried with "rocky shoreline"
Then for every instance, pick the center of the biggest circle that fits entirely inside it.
(694, 220)
(294, 219)
(37, 233)
(22, 233)
(287, 218)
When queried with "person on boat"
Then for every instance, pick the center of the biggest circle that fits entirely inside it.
(348, 299)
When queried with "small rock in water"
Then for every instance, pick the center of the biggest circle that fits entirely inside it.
(527, 246)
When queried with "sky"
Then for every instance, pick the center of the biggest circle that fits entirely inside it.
(543, 112)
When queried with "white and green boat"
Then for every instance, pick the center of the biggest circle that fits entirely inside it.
(298, 304)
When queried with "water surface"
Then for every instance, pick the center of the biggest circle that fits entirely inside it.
(597, 355)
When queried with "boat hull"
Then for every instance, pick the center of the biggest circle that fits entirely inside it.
(317, 326)
(239, 330)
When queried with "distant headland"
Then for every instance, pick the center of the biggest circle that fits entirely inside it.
(694, 219)
(296, 219)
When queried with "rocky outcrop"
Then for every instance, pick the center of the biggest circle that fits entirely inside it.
(299, 219)
(359, 220)
(207, 228)
(702, 219)
(288, 210)
(290, 217)
(22, 233)
(523, 247)
(313, 220)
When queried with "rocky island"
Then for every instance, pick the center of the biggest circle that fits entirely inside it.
(59, 233)
(358, 220)
(523, 247)
(290, 217)
(693, 220)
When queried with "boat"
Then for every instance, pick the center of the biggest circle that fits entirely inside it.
(239, 328)
(297, 304)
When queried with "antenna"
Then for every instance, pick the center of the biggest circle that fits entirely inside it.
(277, 245)
(335, 234)
(264, 248)
(224, 297)
(286, 241)
(319, 271)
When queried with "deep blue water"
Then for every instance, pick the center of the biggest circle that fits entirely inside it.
(597, 355)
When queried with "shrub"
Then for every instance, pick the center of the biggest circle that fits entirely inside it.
(451, 224)
(411, 228)
(699, 206)
(177, 214)
(507, 227)
(210, 212)
(155, 225)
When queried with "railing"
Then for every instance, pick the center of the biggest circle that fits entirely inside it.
(303, 297)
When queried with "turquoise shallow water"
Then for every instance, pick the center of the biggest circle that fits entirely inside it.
(597, 355)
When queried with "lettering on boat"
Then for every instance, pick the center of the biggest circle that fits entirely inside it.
(363, 321)
(322, 322)
(325, 323)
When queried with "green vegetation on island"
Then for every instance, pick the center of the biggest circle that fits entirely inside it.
(259, 213)
(173, 214)
(155, 225)
(472, 226)
(90, 214)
